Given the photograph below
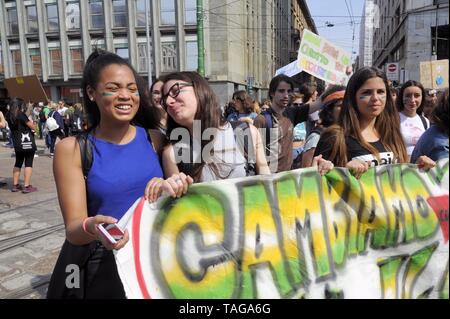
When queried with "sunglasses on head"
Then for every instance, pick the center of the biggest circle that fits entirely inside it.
(174, 91)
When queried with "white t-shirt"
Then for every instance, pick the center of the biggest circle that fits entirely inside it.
(412, 129)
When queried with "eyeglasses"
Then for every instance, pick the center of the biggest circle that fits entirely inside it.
(174, 91)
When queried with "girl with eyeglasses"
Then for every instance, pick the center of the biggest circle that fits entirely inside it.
(208, 149)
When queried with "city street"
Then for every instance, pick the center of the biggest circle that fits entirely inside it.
(31, 229)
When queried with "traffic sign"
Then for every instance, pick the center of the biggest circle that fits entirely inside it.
(392, 71)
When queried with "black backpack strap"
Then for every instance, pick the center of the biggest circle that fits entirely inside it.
(86, 153)
(424, 122)
(250, 167)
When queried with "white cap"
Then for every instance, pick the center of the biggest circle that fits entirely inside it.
(41, 104)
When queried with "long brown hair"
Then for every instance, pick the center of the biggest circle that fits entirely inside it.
(387, 123)
(208, 113)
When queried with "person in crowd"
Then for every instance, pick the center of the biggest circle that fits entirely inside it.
(434, 142)
(299, 133)
(59, 132)
(277, 125)
(243, 105)
(410, 104)
(394, 94)
(267, 104)
(332, 103)
(192, 105)
(368, 130)
(43, 114)
(155, 92)
(310, 93)
(2, 126)
(124, 158)
(22, 130)
(430, 103)
(76, 119)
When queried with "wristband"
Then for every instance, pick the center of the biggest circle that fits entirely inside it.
(84, 226)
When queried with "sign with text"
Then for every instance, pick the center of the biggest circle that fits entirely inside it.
(290, 70)
(392, 71)
(322, 59)
(296, 235)
(434, 74)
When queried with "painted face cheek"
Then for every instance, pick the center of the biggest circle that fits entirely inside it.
(364, 97)
(107, 94)
(383, 97)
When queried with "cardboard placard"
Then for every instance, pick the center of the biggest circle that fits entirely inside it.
(28, 88)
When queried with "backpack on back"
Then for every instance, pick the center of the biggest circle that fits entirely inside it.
(42, 116)
(51, 123)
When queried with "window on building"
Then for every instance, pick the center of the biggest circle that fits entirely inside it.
(17, 62)
(190, 11)
(191, 55)
(140, 12)
(119, 13)
(76, 60)
(32, 23)
(123, 51)
(36, 63)
(96, 14)
(167, 12)
(13, 25)
(55, 61)
(142, 57)
(168, 56)
(52, 17)
(73, 15)
(399, 52)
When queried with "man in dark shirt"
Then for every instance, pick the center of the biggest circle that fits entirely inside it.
(283, 117)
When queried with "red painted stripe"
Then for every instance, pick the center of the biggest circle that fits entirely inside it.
(136, 251)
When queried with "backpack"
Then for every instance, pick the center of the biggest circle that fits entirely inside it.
(51, 123)
(42, 116)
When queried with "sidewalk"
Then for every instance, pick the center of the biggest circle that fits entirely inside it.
(31, 228)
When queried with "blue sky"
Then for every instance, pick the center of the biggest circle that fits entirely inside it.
(337, 13)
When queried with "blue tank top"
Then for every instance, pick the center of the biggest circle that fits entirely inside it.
(119, 174)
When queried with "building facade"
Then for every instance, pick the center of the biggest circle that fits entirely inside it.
(410, 32)
(245, 41)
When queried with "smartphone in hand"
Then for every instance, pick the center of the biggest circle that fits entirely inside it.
(111, 232)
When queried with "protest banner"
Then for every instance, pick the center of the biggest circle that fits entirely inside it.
(434, 74)
(28, 88)
(289, 70)
(322, 59)
(294, 234)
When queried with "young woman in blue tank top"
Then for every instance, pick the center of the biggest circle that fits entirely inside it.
(124, 159)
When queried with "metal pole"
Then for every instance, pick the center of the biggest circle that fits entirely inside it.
(147, 33)
(436, 35)
(200, 43)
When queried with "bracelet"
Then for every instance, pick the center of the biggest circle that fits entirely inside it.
(84, 226)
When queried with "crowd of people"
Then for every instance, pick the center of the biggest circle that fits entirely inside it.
(173, 134)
